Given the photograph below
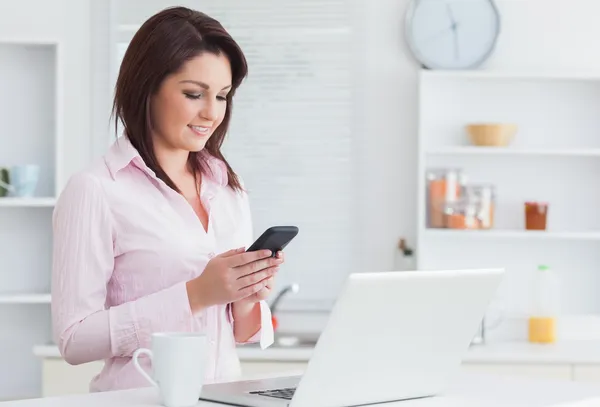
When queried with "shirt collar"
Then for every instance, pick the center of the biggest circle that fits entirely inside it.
(122, 154)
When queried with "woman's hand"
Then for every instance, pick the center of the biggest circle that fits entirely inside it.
(264, 292)
(232, 276)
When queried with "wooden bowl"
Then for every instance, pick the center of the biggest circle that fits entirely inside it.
(491, 134)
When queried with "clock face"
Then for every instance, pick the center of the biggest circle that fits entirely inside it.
(452, 34)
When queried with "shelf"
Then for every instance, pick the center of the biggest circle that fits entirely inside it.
(47, 351)
(509, 151)
(490, 74)
(27, 202)
(24, 298)
(512, 234)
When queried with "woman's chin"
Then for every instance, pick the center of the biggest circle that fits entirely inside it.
(195, 145)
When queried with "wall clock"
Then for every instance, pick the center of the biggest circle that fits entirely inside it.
(452, 34)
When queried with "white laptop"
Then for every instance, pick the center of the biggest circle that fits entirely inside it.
(390, 336)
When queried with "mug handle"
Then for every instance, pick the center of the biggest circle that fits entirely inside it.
(139, 368)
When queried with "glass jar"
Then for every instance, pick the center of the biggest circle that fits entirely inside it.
(545, 304)
(485, 196)
(442, 187)
(462, 214)
(536, 215)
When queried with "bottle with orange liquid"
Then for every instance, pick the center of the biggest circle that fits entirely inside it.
(542, 321)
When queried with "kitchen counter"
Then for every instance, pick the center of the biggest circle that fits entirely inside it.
(468, 390)
(566, 352)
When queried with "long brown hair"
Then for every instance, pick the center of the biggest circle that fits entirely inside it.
(163, 44)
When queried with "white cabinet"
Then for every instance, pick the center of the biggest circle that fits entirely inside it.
(586, 373)
(60, 378)
(539, 371)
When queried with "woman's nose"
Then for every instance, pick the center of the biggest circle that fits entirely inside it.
(209, 111)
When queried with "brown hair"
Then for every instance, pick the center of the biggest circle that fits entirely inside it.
(163, 44)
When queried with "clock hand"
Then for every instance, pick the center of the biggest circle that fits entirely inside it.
(450, 14)
(454, 30)
(439, 33)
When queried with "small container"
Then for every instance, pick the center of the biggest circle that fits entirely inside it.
(485, 196)
(462, 214)
(545, 303)
(442, 187)
(536, 215)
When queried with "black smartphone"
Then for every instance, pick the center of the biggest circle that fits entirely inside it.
(275, 238)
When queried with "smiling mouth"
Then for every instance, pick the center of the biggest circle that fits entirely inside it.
(200, 130)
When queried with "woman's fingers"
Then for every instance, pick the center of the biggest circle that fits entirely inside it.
(252, 289)
(241, 259)
(258, 277)
(256, 266)
(231, 252)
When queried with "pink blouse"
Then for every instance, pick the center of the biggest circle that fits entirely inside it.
(125, 245)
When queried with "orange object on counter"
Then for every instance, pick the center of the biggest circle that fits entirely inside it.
(536, 215)
(545, 296)
(542, 330)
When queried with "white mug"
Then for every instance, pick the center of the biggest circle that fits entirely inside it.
(178, 365)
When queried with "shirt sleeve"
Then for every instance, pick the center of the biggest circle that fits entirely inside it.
(265, 335)
(84, 328)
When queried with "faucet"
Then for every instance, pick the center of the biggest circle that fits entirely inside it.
(293, 288)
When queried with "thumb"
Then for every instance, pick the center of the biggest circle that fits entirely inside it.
(231, 252)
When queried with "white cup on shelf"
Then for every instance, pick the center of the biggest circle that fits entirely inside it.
(178, 365)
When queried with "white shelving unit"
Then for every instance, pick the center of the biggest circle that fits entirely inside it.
(554, 157)
(511, 234)
(534, 152)
(27, 202)
(25, 299)
(31, 116)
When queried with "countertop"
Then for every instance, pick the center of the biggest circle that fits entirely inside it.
(565, 352)
(468, 390)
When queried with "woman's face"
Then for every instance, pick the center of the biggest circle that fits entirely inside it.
(191, 103)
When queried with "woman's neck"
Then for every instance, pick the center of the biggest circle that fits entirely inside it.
(173, 162)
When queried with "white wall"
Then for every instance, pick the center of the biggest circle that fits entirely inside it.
(388, 190)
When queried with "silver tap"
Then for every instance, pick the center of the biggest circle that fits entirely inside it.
(293, 288)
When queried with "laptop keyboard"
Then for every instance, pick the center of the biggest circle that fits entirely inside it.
(286, 393)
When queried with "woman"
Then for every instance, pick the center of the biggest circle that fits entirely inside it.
(136, 236)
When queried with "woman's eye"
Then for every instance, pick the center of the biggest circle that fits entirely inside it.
(222, 98)
(193, 96)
